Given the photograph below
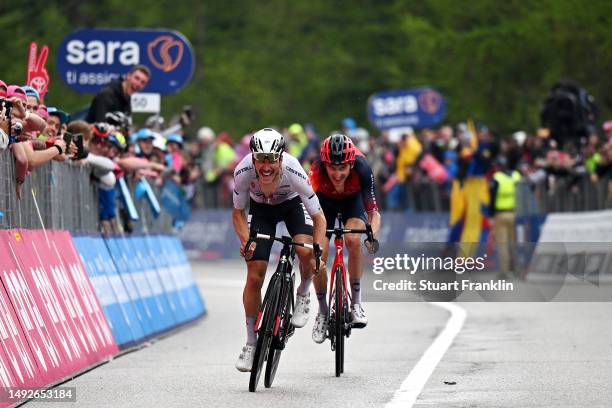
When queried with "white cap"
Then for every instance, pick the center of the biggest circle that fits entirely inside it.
(159, 142)
(520, 137)
(206, 134)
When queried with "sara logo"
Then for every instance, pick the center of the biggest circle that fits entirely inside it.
(430, 101)
(416, 107)
(90, 58)
(159, 52)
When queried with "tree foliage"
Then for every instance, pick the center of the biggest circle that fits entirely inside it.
(279, 62)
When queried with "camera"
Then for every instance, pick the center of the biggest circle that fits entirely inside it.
(188, 111)
(77, 139)
(17, 128)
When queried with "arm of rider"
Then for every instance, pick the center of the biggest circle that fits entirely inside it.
(374, 221)
(241, 227)
(318, 233)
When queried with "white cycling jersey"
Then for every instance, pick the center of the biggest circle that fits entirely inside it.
(294, 182)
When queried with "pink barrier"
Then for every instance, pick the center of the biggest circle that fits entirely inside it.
(20, 291)
(14, 344)
(64, 246)
(60, 326)
(36, 258)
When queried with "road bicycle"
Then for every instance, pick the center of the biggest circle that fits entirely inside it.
(273, 324)
(338, 314)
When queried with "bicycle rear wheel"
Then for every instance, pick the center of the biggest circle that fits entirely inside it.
(339, 320)
(264, 335)
(281, 339)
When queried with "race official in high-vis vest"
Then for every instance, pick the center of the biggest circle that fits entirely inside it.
(503, 188)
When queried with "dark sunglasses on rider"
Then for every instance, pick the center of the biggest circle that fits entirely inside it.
(262, 157)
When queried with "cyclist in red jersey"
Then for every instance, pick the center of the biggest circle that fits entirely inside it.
(344, 184)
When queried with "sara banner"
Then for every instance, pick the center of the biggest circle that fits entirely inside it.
(417, 108)
(88, 59)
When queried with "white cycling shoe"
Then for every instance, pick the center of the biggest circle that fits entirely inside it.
(358, 316)
(245, 359)
(302, 308)
(319, 330)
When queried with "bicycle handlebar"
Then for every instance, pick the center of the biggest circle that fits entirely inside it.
(287, 241)
(373, 248)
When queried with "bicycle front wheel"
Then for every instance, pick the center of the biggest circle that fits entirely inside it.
(278, 342)
(264, 335)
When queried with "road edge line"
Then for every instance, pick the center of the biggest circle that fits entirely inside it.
(412, 385)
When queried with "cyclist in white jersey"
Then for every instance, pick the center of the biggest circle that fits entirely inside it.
(276, 188)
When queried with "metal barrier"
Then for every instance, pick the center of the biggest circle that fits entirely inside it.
(62, 196)
(573, 193)
(55, 196)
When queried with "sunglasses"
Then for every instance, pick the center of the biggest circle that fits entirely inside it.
(262, 157)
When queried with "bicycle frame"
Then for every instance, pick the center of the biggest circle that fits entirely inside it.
(338, 262)
(284, 271)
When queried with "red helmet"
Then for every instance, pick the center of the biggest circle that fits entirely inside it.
(101, 130)
(338, 149)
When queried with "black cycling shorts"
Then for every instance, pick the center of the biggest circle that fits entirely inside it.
(264, 217)
(349, 207)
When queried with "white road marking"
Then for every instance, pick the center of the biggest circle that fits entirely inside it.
(412, 386)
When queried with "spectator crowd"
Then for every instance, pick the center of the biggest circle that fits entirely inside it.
(405, 162)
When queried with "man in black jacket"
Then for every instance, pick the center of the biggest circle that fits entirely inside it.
(116, 96)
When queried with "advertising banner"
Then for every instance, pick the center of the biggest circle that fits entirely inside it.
(185, 278)
(120, 259)
(87, 59)
(13, 341)
(35, 319)
(118, 319)
(416, 108)
(143, 262)
(65, 250)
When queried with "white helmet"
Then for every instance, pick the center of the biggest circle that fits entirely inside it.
(267, 141)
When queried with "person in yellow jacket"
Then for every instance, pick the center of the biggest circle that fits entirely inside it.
(409, 149)
(503, 187)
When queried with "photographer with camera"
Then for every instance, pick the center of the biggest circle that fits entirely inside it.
(17, 122)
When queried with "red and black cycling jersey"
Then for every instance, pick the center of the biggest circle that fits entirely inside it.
(360, 180)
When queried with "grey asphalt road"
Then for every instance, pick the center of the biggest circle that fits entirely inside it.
(506, 355)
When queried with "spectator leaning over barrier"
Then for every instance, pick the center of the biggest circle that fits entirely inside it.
(117, 95)
(56, 122)
(22, 147)
(174, 159)
(28, 121)
(503, 192)
(33, 99)
(144, 143)
(205, 160)
(103, 173)
(120, 121)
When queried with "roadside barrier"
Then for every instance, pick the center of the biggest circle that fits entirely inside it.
(68, 304)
